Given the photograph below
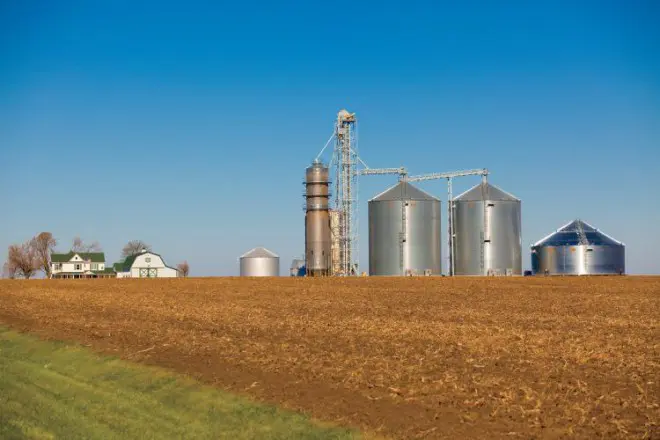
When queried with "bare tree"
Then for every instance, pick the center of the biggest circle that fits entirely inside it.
(183, 268)
(43, 245)
(79, 245)
(9, 270)
(134, 247)
(24, 259)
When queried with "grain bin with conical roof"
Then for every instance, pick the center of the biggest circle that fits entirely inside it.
(578, 248)
(259, 262)
(404, 232)
(487, 232)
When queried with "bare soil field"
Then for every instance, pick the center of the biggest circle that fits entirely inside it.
(400, 357)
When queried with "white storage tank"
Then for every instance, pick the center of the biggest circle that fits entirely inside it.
(259, 262)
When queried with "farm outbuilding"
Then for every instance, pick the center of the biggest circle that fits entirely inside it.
(297, 268)
(144, 265)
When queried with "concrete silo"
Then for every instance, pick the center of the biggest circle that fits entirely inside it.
(578, 249)
(487, 232)
(259, 262)
(404, 232)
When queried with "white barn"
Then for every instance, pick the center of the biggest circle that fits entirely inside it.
(144, 265)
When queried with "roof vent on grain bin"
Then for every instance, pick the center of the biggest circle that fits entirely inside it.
(259, 262)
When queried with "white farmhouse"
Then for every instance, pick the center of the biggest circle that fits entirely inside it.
(144, 265)
(79, 265)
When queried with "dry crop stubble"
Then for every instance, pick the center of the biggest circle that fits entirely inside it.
(405, 357)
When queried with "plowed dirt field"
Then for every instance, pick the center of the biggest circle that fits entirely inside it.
(402, 357)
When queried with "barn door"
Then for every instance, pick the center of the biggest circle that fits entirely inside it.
(148, 273)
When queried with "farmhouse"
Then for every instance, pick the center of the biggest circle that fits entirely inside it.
(144, 265)
(80, 265)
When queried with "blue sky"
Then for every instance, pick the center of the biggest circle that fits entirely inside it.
(189, 125)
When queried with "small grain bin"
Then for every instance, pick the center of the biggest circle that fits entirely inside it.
(259, 262)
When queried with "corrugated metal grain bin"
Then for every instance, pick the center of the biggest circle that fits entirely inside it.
(487, 232)
(578, 249)
(259, 262)
(404, 232)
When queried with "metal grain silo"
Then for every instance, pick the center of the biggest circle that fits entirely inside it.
(578, 249)
(317, 221)
(486, 224)
(260, 262)
(404, 232)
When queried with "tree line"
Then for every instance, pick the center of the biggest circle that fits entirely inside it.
(26, 260)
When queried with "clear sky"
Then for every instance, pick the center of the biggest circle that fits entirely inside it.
(189, 125)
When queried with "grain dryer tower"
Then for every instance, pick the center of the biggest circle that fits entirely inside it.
(260, 262)
(318, 257)
(404, 232)
(578, 249)
(487, 232)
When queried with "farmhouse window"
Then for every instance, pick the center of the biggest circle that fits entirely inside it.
(147, 259)
(95, 266)
(78, 266)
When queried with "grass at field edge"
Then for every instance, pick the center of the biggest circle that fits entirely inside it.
(51, 390)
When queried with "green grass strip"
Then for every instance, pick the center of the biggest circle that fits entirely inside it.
(51, 390)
